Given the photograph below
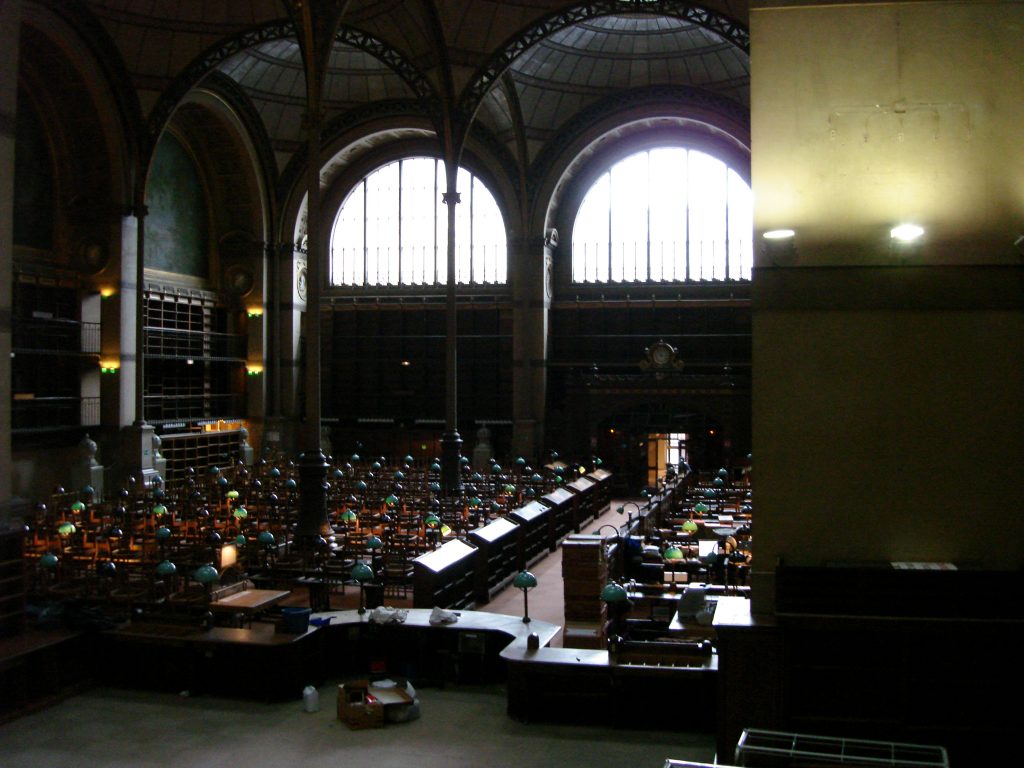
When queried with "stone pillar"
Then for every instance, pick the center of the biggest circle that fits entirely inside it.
(10, 15)
(532, 292)
(451, 441)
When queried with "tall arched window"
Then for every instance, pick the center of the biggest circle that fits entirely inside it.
(392, 229)
(664, 215)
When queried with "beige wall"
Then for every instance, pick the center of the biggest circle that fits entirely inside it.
(866, 115)
(888, 385)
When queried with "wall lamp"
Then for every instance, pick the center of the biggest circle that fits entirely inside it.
(253, 369)
(779, 243)
(110, 366)
(906, 233)
(254, 311)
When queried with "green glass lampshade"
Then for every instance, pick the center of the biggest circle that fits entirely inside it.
(240, 513)
(275, 472)
(266, 537)
(520, 461)
(435, 487)
(408, 459)
(159, 510)
(361, 485)
(232, 494)
(376, 466)
(477, 477)
(509, 488)
(348, 516)
(614, 593)
(337, 474)
(432, 521)
(214, 470)
(709, 493)
(464, 460)
(49, 560)
(399, 475)
(554, 455)
(354, 458)
(78, 507)
(496, 469)
(700, 507)
(162, 533)
(362, 573)
(391, 500)
(290, 484)
(165, 569)
(374, 542)
(689, 526)
(88, 490)
(723, 473)
(598, 462)
(673, 554)
(475, 501)
(718, 482)
(559, 479)
(66, 529)
(530, 493)
(435, 467)
(536, 478)
(524, 580)
(206, 575)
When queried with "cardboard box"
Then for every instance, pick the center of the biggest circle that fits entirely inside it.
(357, 707)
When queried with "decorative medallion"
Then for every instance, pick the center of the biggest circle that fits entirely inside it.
(300, 281)
(661, 356)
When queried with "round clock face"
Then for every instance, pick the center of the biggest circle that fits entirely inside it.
(300, 283)
(661, 354)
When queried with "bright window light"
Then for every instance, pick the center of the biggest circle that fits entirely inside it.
(392, 229)
(664, 215)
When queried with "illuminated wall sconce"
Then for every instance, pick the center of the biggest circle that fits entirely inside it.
(254, 311)
(904, 234)
(779, 244)
(253, 369)
(107, 292)
(109, 366)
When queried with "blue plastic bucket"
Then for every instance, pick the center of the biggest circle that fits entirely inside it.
(295, 621)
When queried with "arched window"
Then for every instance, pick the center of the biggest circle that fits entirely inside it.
(392, 229)
(664, 215)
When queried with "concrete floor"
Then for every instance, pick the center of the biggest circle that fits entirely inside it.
(458, 727)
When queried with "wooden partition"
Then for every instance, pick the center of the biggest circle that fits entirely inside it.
(561, 502)
(538, 532)
(603, 492)
(583, 508)
(444, 578)
(498, 544)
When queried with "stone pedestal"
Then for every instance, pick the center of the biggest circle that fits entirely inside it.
(87, 471)
(139, 454)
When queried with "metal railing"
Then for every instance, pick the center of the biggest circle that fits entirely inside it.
(49, 413)
(202, 345)
(56, 336)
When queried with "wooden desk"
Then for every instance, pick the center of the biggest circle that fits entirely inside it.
(249, 602)
(590, 686)
(212, 660)
(467, 651)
